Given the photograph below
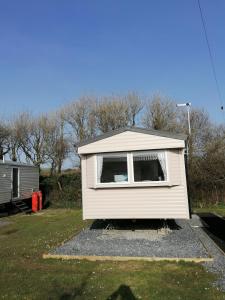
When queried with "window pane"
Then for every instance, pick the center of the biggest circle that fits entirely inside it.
(149, 166)
(112, 168)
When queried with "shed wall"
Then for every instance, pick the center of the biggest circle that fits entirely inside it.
(137, 202)
(5, 183)
(28, 181)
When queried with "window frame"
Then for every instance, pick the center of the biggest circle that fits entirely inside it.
(130, 171)
(126, 154)
(150, 181)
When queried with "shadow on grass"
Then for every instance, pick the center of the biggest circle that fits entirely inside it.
(139, 224)
(76, 292)
(123, 293)
(214, 227)
(9, 209)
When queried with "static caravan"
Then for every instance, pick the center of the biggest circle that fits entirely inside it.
(17, 181)
(134, 173)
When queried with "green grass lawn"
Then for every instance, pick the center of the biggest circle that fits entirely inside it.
(218, 209)
(25, 275)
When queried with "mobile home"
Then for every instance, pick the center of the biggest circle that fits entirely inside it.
(17, 181)
(134, 173)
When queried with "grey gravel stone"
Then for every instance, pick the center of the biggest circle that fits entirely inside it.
(196, 221)
(218, 264)
(181, 242)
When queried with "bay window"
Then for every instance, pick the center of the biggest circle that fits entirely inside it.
(132, 168)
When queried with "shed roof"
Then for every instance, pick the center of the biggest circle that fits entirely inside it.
(161, 133)
(15, 163)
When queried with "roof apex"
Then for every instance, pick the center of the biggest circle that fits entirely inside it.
(161, 133)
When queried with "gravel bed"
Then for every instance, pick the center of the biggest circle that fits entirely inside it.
(218, 264)
(178, 240)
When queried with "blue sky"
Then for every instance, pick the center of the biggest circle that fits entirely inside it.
(53, 51)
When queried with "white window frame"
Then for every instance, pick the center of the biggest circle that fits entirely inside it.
(130, 172)
(150, 181)
(126, 154)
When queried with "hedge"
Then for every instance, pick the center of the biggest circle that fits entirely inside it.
(62, 190)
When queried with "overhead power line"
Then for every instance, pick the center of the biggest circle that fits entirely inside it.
(211, 56)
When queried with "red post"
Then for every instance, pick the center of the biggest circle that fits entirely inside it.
(40, 200)
(34, 201)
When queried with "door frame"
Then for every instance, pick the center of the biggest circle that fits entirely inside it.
(18, 183)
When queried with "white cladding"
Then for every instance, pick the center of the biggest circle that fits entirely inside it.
(135, 200)
(130, 141)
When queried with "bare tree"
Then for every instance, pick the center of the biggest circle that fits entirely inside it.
(207, 176)
(4, 139)
(113, 112)
(14, 152)
(214, 156)
(56, 143)
(201, 129)
(89, 116)
(135, 105)
(80, 115)
(160, 113)
(32, 135)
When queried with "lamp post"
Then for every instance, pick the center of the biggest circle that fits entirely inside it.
(188, 105)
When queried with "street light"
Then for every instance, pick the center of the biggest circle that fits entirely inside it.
(188, 105)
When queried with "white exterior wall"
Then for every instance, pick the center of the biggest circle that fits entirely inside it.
(131, 141)
(133, 201)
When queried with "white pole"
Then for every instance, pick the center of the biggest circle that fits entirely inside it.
(189, 122)
(188, 105)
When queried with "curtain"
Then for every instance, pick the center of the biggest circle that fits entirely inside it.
(146, 156)
(154, 155)
(162, 160)
(115, 158)
(99, 167)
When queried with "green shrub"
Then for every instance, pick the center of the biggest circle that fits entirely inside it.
(62, 191)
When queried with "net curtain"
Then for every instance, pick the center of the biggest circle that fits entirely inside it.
(157, 155)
